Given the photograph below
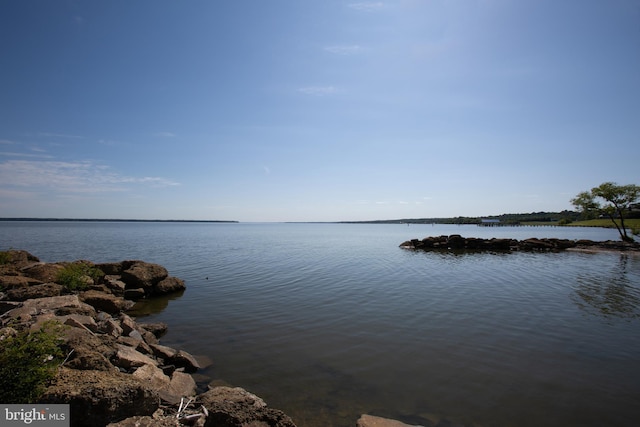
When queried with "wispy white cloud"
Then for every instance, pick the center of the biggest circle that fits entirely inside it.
(352, 49)
(32, 151)
(367, 6)
(267, 171)
(152, 180)
(70, 177)
(48, 174)
(29, 155)
(107, 142)
(59, 135)
(318, 90)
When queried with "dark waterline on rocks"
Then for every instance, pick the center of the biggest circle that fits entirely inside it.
(328, 321)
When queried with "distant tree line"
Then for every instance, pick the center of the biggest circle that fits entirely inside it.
(563, 217)
(506, 219)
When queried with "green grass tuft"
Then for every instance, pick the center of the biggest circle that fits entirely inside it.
(28, 362)
(78, 276)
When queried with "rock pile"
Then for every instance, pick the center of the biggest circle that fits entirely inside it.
(116, 371)
(373, 421)
(456, 242)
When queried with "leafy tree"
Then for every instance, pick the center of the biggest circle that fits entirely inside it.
(609, 199)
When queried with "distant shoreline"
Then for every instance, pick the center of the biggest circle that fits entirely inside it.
(111, 220)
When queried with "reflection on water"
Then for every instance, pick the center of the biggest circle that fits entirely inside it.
(147, 307)
(609, 293)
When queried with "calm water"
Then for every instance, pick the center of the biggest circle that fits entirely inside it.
(328, 321)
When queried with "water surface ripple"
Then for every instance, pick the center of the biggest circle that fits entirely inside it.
(328, 321)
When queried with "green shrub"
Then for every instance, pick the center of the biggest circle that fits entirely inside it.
(76, 276)
(28, 361)
(5, 258)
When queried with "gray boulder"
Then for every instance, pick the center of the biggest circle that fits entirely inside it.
(456, 241)
(181, 386)
(43, 272)
(134, 294)
(13, 281)
(163, 351)
(182, 359)
(169, 285)
(98, 398)
(88, 351)
(114, 284)
(19, 258)
(137, 343)
(157, 329)
(145, 421)
(106, 302)
(79, 321)
(153, 376)
(142, 274)
(112, 268)
(179, 358)
(236, 407)
(44, 290)
(371, 421)
(32, 307)
(127, 357)
(110, 327)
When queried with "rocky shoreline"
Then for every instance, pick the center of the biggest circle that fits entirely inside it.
(456, 242)
(116, 372)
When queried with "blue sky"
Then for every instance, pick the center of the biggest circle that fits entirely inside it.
(293, 110)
